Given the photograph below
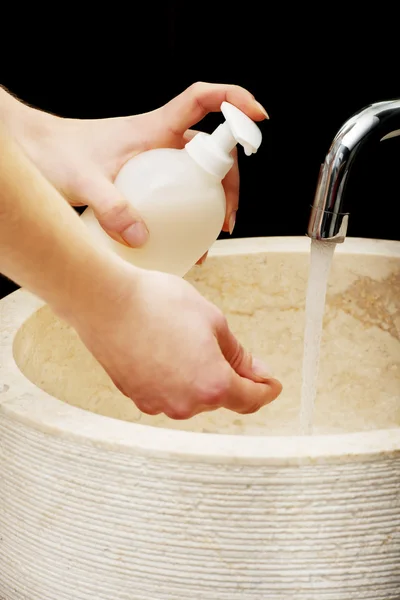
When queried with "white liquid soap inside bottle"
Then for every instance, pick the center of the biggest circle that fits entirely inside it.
(179, 195)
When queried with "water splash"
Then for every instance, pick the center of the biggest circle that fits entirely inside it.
(320, 263)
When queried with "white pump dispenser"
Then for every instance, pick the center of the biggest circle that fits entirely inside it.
(179, 195)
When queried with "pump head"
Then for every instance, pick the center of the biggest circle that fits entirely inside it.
(212, 152)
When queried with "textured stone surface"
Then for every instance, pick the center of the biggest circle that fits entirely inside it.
(134, 507)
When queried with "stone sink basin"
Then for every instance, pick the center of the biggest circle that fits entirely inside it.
(101, 502)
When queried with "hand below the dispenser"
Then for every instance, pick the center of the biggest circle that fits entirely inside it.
(171, 351)
(81, 158)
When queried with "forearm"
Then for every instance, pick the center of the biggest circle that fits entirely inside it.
(10, 105)
(29, 126)
(43, 244)
(15, 115)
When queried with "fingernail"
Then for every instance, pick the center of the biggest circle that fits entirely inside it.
(261, 369)
(262, 109)
(135, 235)
(232, 221)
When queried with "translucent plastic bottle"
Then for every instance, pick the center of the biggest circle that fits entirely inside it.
(179, 195)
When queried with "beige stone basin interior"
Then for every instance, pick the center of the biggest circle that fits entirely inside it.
(261, 287)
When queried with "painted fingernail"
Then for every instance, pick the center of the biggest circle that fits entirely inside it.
(135, 235)
(262, 109)
(260, 369)
(232, 221)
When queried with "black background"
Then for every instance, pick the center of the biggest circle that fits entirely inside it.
(312, 67)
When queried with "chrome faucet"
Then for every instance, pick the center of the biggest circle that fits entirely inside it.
(374, 123)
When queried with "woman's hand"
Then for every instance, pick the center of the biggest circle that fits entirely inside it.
(171, 351)
(81, 158)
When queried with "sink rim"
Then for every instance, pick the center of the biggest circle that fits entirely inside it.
(23, 402)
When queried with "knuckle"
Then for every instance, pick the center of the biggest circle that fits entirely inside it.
(198, 87)
(179, 413)
(82, 184)
(213, 392)
(115, 211)
(147, 408)
(249, 410)
(238, 357)
(117, 216)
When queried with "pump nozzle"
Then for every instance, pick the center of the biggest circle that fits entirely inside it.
(212, 152)
(243, 130)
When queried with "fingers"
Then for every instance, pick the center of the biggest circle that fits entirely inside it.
(148, 408)
(114, 213)
(251, 384)
(193, 104)
(246, 396)
(241, 361)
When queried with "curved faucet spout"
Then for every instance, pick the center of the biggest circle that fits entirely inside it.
(329, 219)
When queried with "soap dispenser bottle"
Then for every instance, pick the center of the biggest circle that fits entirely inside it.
(179, 194)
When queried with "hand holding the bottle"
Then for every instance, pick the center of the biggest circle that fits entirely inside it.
(81, 158)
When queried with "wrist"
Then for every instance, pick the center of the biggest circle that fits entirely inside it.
(45, 247)
(93, 291)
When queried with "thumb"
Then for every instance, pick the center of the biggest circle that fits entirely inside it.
(240, 360)
(115, 214)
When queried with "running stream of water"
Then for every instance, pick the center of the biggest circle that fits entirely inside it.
(320, 263)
